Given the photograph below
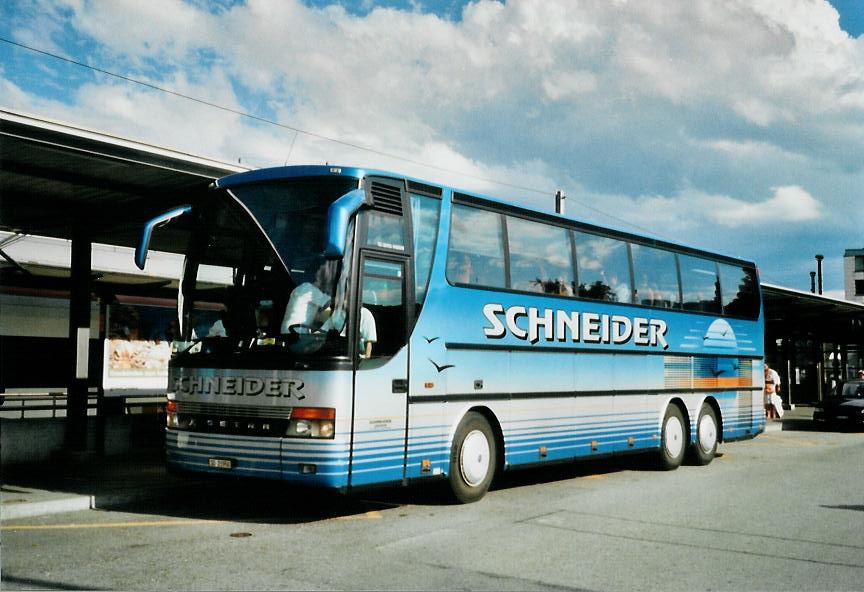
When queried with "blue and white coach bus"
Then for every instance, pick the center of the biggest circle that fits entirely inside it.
(343, 328)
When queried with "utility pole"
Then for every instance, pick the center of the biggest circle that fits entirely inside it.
(819, 259)
(559, 202)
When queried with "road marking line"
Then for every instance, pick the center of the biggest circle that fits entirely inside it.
(371, 515)
(110, 524)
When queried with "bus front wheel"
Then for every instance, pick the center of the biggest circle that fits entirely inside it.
(673, 437)
(705, 447)
(473, 458)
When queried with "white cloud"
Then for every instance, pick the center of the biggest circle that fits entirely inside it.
(693, 217)
(44, 24)
(13, 94)
(748, 149)
(399, 77)
(788, 204)
(677, 116)
(156, 28)
(569, 84)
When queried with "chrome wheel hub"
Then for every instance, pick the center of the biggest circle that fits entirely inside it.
(474, 458)
(674, 440)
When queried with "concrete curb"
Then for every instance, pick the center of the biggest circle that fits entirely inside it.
(58, 503)
(72, 503)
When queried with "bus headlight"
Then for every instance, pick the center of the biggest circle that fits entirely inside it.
(312, 422)
(326, 429)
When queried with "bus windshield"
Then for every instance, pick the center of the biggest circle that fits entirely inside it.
(255, 278)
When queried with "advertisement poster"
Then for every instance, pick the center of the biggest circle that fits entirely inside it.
(137, 349)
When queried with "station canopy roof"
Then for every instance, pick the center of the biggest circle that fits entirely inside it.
(803, 315)
(53, 176)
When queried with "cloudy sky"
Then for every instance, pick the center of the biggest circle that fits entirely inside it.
(731, 125)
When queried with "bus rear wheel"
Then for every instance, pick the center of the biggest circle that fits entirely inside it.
(672, 439)
(705, 447)
(473, 458)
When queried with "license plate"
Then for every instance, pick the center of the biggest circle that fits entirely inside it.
(842, 417)
(221, 463)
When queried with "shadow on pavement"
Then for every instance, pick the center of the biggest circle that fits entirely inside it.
(576, 470)
(248, 500)
(34, 584)
(801, 420)
(801, 425)
(808, 425)
(855, 508)
(273, 502)
(141, 484)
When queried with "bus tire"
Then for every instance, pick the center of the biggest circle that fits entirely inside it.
(705, 447)
(473, 458)
(673, 438)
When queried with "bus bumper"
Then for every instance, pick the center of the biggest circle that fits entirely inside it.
(306, 462)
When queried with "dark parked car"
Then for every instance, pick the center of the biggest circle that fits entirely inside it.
(845, 408)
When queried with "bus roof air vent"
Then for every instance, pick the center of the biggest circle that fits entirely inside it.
(386, 197)
(424, 189)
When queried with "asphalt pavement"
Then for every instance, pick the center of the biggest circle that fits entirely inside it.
(72, 482)
(780, 512)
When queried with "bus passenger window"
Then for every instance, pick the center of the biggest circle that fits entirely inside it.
(476, 254)
(699, 284)
(656, 276)
(603, 268)
(740, 292)
(540, 257)
(425, 213)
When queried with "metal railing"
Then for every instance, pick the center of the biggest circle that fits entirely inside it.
(53, 405)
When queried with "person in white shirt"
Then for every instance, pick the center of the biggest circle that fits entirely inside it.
(309, 310)
(308, 305)
(772, 387)
(368, 332)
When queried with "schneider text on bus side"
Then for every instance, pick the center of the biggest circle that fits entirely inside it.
(574, 326)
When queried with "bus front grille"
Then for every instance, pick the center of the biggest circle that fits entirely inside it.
(232, 411)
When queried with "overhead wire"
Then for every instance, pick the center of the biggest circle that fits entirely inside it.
(297, 131)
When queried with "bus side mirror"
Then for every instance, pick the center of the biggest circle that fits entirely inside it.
(147, 233)
(338, 216)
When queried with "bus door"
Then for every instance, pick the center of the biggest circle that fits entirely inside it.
(380, 330)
